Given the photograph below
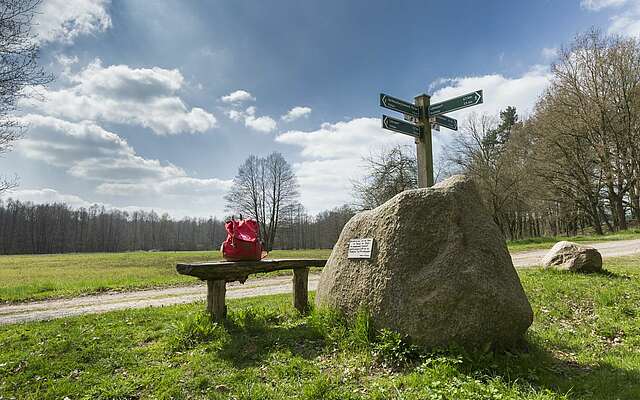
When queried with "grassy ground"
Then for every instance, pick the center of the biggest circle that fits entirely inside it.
(64, 275)
(584, 344)
(33, 277)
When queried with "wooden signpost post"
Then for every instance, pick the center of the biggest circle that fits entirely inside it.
(426, 116)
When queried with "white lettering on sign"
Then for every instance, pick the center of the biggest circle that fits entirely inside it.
(360, 248)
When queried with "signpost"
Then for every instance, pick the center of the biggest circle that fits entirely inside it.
(398, 105)
(457, 103)
(425, 114)
(447, 122)
(398, 125)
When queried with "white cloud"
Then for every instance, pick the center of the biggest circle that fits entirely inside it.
(498, 91)
(549, 53)
(296, 113)
(51, 196)
(238, 96)
(262, 124)
(88, 151)
(121, 94)
(596, 5)
(625, 22)
(65, 20)
(182, 186)
(48, 196)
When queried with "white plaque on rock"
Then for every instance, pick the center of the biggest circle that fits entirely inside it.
(360, 248)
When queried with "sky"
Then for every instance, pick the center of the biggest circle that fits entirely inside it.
(156, 104)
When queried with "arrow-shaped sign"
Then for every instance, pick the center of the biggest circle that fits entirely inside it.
(447, 122)
(398, 125)
(402, 106)
(457, 103)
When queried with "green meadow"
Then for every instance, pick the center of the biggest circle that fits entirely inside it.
(584, 344)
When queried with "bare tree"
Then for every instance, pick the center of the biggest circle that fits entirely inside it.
(262, 188)
(592, 110)
(389, 172)
(19, 69)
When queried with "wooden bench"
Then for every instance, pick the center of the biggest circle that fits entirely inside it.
(217, 274)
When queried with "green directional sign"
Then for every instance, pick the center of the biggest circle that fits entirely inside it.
(457, 103)
(447, 122)
(398, 125)
(402, 106)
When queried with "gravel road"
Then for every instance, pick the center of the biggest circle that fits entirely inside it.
(50, 309)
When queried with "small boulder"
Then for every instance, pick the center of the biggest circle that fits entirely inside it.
(571, 256)
(439, 272)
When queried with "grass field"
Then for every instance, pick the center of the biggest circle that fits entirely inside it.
(34, 277)
(584, 344)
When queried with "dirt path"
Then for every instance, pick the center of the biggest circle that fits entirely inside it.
(49, 309)
(619, 248)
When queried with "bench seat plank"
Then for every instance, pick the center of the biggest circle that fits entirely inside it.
(235, 270)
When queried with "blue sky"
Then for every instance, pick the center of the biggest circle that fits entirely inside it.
(157, 103)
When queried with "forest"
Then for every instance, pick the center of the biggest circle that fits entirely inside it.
(27, 228)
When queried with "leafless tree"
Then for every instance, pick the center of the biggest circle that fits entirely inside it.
(19, 69)
(262, 188)
(389, 172)
(592, 112)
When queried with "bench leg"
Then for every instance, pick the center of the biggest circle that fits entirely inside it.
(300, 289)
(216, 291)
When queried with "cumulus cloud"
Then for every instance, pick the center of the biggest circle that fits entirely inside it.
(182, 186)
(625, 22)
(64, 20)
(261, 124)
(51, 196)
(596, 5)
(48, 196)
(125, 95)
(499, 91)
(88, 151)
(549, 53)
(238, 96)
(296, 113)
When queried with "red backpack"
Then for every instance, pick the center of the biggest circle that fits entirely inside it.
(242, 243)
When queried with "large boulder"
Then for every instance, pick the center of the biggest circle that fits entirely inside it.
(440, 270)
(571, 256)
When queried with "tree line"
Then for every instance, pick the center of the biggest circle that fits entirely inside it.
(573, 166)
(27, 228)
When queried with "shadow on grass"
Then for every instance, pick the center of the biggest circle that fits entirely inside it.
(556, 369)
(613, 275)
(254, 336)
(604, 273)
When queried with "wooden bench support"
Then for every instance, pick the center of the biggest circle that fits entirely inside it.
(217, 274)
(300, 289)
(216, 291)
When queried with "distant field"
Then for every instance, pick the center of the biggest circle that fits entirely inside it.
(34, 277)
(31, 277)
